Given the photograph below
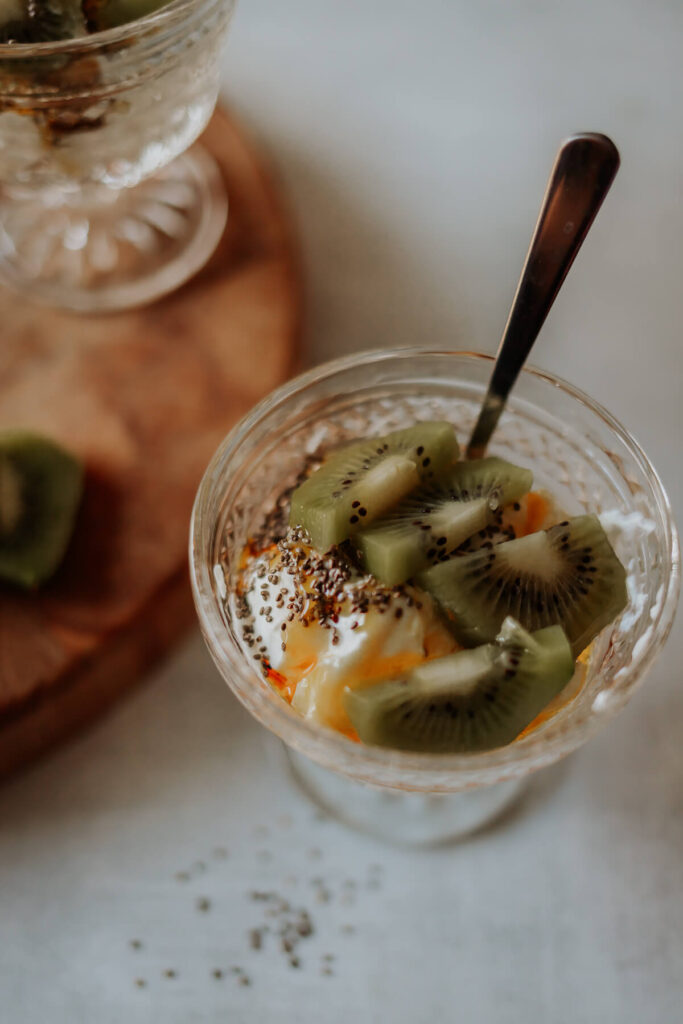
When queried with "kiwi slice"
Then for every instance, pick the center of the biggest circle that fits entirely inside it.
(359, 483)
(473, 700)
(568, 574)
(428, 525)
(40, 490)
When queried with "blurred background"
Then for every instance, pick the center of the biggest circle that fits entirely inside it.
(413, 143)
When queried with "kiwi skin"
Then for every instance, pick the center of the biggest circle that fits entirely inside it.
(476, 591)
(48, 490)
(466, 702)
(429, 524)
(361, 481)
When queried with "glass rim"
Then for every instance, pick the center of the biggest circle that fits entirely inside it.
(171, 13)
(334, 750)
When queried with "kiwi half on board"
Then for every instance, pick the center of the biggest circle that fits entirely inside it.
(470, 701)
(360, 482)
(40, 490)
(568, 575)
(431, 522)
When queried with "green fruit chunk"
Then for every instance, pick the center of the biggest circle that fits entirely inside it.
(470, 701)
(40, 490)
(428, 525)
(568, 575)
(361, 482)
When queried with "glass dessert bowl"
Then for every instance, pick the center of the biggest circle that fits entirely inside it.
(101, 207)
(576, 451)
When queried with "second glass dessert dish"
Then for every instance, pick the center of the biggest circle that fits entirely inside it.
(578, 454)
(101, 207)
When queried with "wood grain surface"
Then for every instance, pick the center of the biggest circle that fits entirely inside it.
(144, 397)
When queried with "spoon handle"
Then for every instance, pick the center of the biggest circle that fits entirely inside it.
(584, 169)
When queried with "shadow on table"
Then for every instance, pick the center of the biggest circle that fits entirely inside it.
(180, 731)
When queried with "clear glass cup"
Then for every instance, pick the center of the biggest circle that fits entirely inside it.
(576, 449)
(98, 208)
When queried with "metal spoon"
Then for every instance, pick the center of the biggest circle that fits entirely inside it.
(584, 169)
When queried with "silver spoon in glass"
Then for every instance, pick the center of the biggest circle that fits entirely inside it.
(584, 169)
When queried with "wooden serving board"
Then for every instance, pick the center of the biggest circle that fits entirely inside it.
(144, 397)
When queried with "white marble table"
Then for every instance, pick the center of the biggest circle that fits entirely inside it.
(414, 141)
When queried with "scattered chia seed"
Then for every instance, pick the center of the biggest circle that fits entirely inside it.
(304, 927)
(288, 924)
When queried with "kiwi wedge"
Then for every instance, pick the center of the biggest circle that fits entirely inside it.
(431, 522)
(470, 701)
(568, 574)
(40, 490)
(360, 482)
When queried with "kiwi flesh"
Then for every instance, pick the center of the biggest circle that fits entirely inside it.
(360, 482)
(567, 575)
(40, 491)
(469, 701)
(430, 523)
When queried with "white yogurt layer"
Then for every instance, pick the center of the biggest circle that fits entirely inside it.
(323, 626)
